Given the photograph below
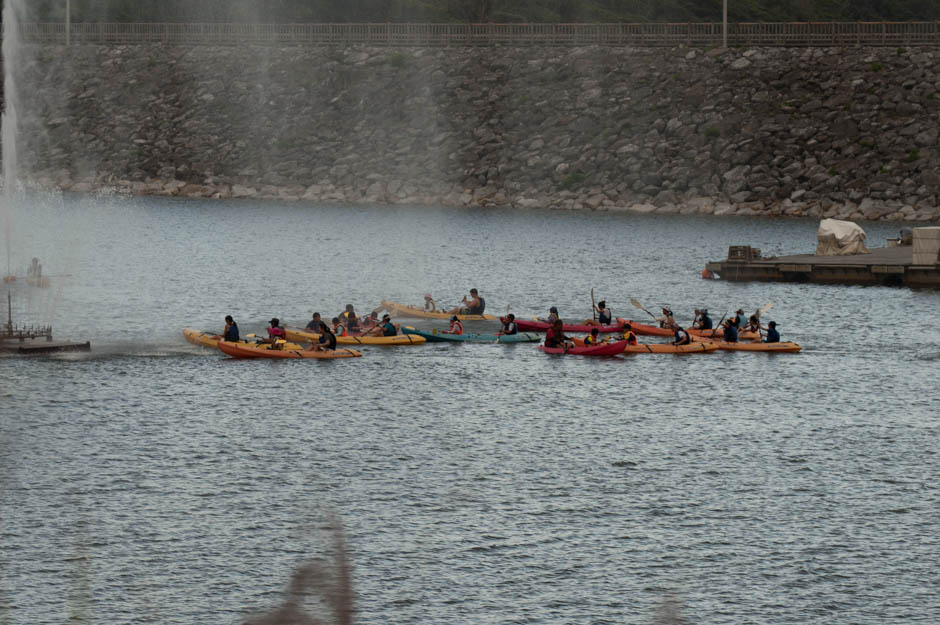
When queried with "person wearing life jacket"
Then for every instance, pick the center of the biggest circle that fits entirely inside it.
(338, 328)
(385, 328)
(326, 342)
(737, 320)
(702, 321)
(752, 325)
(350, 319)
(368, 323)
(474, 305)
(455, 326)
(730, 334)
(772, 335)
(592, 338)
(552, 316)
(230, 333)
(604, 315)
(555, 336)
(681, 336)
(628, 334)
(509, 324)
(275, 333)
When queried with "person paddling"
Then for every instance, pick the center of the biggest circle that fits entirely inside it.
(231, 329)
(455, 326)
(681, 336)
(327, 341)
(604, 315)
(731, 331)
(628, 334)
(350, 319)
(555, 336)
(509, 324)
(752, 325)
(386, 328)
(593, 338)
(275, 333)
(429, 304)
(702, 320)
(666, 320)
(772, 335)
(474, 305)
(338, 328)
(314, 324)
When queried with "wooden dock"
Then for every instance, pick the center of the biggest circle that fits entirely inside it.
(888, 266)
(42, 346)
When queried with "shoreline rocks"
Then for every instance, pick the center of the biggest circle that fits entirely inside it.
(844, 133)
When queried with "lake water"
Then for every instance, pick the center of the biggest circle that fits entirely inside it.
(151, 481)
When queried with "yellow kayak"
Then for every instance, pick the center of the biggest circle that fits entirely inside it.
(401, 310)
(206, 339)
(302, 336)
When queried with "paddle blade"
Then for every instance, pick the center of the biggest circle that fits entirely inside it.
(636, 304)
(763, 309)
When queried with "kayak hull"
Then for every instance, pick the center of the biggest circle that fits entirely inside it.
(435, 336)
(668, 348)
(643, 329)
(788, 347)
(718, 333)
(602, 349)
(239, 350)
(403, 310)
(542, 326)
(302, 336)
(205, 339)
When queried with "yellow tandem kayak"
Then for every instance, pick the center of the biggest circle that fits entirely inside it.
(402, 310)
(302, 336)
(207, 339)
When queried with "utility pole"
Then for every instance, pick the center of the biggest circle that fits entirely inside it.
(68, 22)
(724, 25)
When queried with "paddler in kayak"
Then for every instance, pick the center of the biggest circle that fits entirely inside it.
(314, 324)
(455, 326)
(666, 320)
(702, 321)
(737, 320)
(509, 325)
(681, 336)
(555, 336)
(429, 304)
(730, 334)
(752, 325)
(772, 335)
(593, 338)
(368, 323)
(350, 319)
(386, 328)
(338, 328)
(275, 333)
(230, 333)
(327, 340)
(604, 315)
(552, 316)
(474, 305)
(628, 334)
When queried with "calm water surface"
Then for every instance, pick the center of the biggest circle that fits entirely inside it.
(155, 482)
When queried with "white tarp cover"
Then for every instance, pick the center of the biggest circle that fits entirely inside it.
(840, 238)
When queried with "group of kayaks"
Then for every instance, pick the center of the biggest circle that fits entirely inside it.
(530, 331)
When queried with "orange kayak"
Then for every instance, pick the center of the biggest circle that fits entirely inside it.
(669, 348)
(239, 350)
(787, 347)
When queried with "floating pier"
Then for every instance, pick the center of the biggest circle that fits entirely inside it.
(888, 266)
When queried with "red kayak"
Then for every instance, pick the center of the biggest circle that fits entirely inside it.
(542, 326)
(601, 349)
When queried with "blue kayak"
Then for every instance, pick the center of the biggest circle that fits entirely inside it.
(436, 335)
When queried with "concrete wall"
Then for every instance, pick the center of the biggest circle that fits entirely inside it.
(850, 133)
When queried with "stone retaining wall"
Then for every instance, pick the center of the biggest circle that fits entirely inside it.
(846, 133)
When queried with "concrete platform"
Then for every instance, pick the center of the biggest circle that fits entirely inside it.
(890, 266)
(42, 346)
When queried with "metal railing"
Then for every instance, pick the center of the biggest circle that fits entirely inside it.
(701, 34)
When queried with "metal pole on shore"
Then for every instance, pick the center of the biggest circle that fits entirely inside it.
(724, 24)
(68, 22)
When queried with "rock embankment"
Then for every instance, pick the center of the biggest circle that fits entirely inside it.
(849, 133)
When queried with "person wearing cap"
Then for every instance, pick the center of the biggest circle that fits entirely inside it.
(314, 324)
(327, 340)
(509, 325)
(275, 332)
(429, 304)
(455, 326)
(666, 320)
(230, 333)
(730, 334)
(681, 336)
(552, 316)
(772, 335)
(737, 319)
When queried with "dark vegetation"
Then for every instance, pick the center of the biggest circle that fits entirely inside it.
(270, 11)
